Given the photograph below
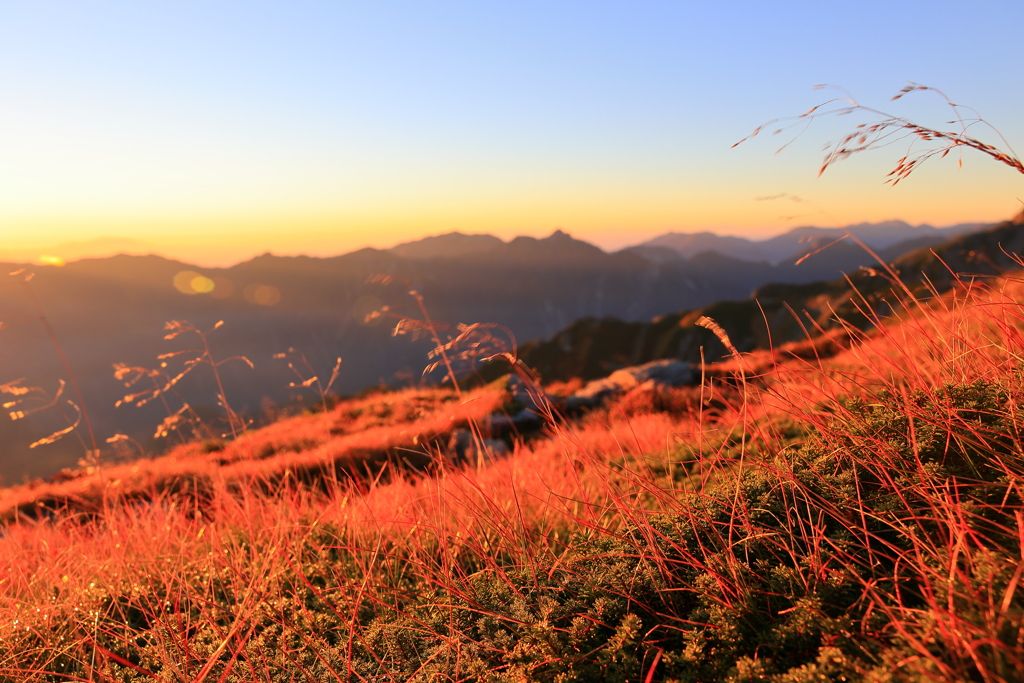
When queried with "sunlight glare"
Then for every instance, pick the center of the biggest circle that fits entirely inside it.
(201, 284)
(264, 295)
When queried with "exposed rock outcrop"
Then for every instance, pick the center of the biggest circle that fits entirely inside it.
(656, 374)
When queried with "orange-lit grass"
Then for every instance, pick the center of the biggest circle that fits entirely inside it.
(974, 332)
(516, 512)
(610, 473)
(353, 436)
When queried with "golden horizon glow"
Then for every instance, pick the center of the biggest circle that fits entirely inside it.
(756, 196)
(324, 128)
(225, 241)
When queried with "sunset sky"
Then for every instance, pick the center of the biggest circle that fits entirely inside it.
(226, 129)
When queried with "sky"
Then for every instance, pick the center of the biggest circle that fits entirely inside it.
(228, 129)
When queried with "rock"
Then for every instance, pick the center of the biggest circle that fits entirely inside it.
(664, 373)
(530, 415)
(599, 389)
(656, 374)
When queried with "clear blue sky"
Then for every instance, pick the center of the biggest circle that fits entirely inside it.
(323, 127)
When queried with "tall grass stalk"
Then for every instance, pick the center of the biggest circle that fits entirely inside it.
(92, 451)
(203, 356)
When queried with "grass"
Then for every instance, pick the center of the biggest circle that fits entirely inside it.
(791, 519)
(356, 438)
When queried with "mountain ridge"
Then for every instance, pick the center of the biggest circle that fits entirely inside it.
(456, 244)
(775, 313)
(110, 310)
(787, 245)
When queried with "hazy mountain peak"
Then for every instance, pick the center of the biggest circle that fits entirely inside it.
(449, 245)
(793, 243)
(99, 247)
(893, 224)
(693, 243)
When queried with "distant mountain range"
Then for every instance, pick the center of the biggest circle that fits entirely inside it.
(774, 250)
(791, 245)
(775, 313)
(74, 251)
(108, 310)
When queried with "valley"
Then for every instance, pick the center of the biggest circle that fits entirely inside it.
(113, 310)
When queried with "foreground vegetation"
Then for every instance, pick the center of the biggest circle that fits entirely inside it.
(857, 518)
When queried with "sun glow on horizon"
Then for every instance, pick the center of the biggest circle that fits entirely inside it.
(222, 241)
(324, 129)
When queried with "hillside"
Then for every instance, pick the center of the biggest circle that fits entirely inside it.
(790, 245)
(789, 519)
(775, 313)
(113, 310)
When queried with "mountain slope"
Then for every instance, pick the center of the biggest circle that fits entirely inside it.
(449, 245)
(790, 245)
(112, 310)
(593, 347)
(856, 520)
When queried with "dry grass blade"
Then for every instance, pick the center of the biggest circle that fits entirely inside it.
(20, 409)
(889, 129)
(82, 413)
(719, 331)
(291, 356)
(163, 382)
(56, 436)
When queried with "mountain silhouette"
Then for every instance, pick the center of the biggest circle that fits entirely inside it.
(112, 310)
(450, 245)
(73, 251)
(776, 313)
(789, 246)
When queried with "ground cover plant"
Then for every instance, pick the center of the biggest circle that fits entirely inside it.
(850, 519)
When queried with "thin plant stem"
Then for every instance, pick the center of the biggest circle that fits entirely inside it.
(63, 359)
